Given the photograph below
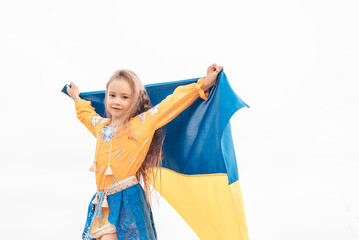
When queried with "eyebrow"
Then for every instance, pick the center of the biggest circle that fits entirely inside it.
(120, 93)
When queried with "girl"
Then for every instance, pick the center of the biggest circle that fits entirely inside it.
(128, 148)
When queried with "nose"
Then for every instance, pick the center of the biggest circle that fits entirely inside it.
(117, 101)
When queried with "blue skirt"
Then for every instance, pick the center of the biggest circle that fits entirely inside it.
(129, 213)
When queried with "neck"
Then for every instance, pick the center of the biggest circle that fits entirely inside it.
(116, 122)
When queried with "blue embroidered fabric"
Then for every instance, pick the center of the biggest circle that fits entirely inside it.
(107, 133)
(129, 212)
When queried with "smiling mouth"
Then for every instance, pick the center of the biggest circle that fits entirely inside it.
(117, 109)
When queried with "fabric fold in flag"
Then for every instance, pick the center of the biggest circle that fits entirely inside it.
(199, 174)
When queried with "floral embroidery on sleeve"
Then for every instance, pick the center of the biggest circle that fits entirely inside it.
(142, 116)
(95, 120)
(103, 121)
(154, 110)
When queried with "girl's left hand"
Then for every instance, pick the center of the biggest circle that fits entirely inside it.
(212, 73)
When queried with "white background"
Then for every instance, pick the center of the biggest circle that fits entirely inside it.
(294, 62)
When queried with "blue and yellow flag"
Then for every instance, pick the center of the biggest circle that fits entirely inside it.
(199, 174)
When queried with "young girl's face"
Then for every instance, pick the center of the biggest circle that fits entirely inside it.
(119, 97)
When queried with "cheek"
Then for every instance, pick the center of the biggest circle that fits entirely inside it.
(108, 103)
(128, 104)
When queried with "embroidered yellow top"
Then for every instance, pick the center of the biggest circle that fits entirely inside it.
(114, 146)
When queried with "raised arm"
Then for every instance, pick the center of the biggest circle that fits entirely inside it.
(179, 100)
(84, 111)
(73, 91)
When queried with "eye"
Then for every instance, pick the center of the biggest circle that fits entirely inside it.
(112, 95)
(125, 97)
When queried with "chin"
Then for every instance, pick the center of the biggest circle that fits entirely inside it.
(116, 115)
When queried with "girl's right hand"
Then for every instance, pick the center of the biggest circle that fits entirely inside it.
(73, 91)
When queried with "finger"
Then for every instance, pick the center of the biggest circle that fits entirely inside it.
(212, 67)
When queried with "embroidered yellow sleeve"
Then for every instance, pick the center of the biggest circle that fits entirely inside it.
(88, 116)
(173, 105)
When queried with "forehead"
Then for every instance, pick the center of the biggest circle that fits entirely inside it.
(120, 86)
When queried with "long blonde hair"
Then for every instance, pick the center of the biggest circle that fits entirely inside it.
(141, 103)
